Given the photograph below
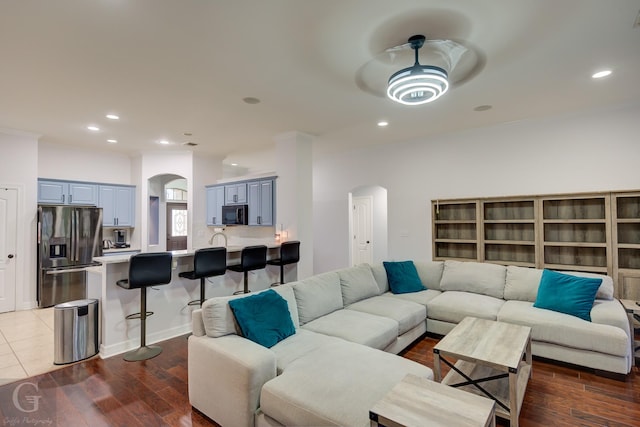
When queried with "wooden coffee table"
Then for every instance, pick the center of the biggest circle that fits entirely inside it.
(493, 360)
(419, 402)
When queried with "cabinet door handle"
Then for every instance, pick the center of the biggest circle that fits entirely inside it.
(214, 220)
(63, 199)
(259, 219)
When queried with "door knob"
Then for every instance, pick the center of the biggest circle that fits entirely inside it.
(367, 242)
(10, 256)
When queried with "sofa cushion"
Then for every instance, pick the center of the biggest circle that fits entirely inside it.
(263, 318)
(355, 326)
(567, 294)
(453, 306)
(430, 273)
(476, 277)
(422, 297)
(380, 274)
(605, 291)
(218, 318)
(299, 344)
(570, 331)
(522, 283)
(403, 277)
(353, 378)
(317, 296)
(357, 283)
(408, 314)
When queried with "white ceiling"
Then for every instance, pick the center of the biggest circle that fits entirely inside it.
(173, 66)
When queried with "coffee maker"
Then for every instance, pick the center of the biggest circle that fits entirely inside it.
(120, 239)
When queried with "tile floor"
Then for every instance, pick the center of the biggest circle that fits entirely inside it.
(26, 344)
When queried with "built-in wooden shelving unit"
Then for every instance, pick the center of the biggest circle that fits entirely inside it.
(596, 232)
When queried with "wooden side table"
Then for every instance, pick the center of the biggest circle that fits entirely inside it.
(633, 310)
(419, 402)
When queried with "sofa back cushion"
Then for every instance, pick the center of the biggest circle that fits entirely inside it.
(476, 277)
(605, 291)
(317, 296)
(380, 274)
(218, 319)
(430, 273)
(522, 283)
(357, 283)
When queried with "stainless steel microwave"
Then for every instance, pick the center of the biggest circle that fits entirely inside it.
(235, 215)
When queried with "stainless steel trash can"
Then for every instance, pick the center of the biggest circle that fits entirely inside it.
(75, 335)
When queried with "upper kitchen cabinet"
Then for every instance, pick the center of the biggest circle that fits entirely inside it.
(118, 205)
(66, 192)
(235, 194)
(260, 201)
(215, 201)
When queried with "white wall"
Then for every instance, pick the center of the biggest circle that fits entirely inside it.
(582, 152)
(77, 164)
(19, 168)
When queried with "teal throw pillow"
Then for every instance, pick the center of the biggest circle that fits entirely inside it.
(567, 294)
(263, 318)
(403, 277)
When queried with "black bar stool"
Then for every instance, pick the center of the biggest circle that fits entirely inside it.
(146, 269)
(251, 258)
(289, 254)
(207, 262)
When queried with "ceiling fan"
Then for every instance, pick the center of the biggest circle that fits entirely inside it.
(437, 64)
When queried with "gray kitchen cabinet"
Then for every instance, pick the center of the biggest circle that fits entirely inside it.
(235, 194)
(215, 201)
(260, 201)
(118, 205)
(66, 192)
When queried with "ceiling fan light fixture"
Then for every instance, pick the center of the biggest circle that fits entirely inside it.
(418, 84)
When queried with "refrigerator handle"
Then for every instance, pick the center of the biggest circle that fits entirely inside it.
(74, 245)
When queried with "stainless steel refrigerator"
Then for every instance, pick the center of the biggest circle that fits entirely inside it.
(69, 237)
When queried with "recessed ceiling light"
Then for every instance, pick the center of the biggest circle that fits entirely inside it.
(601, 74)
(234, 164)
(163, 142)
(112, 141)
(93, 128)
(112, 116)
(383, 123)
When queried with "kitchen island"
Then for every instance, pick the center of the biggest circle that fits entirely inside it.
(172, 314)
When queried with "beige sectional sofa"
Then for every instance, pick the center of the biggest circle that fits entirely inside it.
(348, 328)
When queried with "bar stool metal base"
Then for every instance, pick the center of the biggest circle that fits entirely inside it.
(142, 353)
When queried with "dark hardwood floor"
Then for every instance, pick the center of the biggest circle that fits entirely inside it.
(113, 392)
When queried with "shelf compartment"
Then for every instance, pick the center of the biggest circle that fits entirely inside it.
(457, 211)
(468, 251)
(628, 207)
(581, 232)
(509, 210)
(509, 231)
(589, 208)
(576, 256)
(464, 231)
(629, 258)
(629, 233)
(510, 253)
(585, 268)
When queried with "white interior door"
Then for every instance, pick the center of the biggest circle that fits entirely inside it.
(8, 240)
(362, 230)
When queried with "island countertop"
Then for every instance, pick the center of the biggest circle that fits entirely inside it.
(118, 258)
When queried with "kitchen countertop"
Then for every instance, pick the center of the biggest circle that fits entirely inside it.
(115, 258)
